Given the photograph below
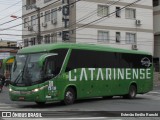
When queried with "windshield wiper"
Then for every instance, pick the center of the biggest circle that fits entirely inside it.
(17, 78)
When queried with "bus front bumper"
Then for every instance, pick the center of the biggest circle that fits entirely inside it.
(30, 96)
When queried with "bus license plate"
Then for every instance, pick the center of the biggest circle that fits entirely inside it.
(21, 98)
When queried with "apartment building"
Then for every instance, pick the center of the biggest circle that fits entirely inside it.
(116, 23)
(156, 19)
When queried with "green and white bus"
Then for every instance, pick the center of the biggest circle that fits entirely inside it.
(67, 72)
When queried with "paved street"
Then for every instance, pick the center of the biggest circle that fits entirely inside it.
(147, 102)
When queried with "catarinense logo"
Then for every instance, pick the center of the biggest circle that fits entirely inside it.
(146, 62)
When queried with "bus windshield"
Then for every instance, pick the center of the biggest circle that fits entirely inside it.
(26, 71)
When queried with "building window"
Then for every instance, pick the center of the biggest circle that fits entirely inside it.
(155, 3)
(26, 24)
(118, 12)
(54, 14)
(41, 14)
(130, 13)
(47, 39)
(47, 16)
(54, 37)
(118, 37)
(33, 41)
(103, 10)
(30, 4)
(33, 20)
(103, 36)
(25, 42)
(45, 1)
(130, 38)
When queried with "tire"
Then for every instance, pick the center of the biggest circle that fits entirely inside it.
(0, 89)
(132, 92)
(107, 97)
(69, 96)
(40, 103)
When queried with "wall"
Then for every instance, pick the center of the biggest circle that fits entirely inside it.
(144, 12)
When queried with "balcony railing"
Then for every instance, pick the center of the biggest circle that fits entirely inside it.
(30, 6)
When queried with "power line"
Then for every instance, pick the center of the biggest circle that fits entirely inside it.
(37, 17)
(91, 14)
(107, 15)
(16, 35)
(9, 15)
(20, 10)
(21, 16)
(113, 40)
(10, 6)
(10, 21)
(87, 16)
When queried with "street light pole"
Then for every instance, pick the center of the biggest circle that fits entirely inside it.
(39, 26)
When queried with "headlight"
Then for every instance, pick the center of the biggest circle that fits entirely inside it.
(35, 90)
(10, 90)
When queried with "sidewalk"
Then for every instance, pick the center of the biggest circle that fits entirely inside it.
(156, 79)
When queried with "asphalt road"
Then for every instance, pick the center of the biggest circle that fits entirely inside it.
(96, 108)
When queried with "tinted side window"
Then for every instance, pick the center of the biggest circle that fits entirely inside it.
(59, 59)
(133, 60)
(101, 59)
(92, 59)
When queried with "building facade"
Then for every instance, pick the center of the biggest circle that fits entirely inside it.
(156, 18)
(7, 49)
(116, 23)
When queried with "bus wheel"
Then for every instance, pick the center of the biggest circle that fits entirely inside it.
(40, 103)
(107, 97)
(132, 92)
(69, 97)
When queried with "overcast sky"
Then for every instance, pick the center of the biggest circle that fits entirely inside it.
(8, 8)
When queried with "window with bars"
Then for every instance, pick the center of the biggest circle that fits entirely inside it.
(25, 42)
(47, 38)
(26, 22)
(54, 14)
(30, 4)
(33, 20)
(47, 16)
(54, 37)
(45, 1)
(33, 41)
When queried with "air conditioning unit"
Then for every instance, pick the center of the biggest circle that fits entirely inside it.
(44, 24)
(54, 21)
(138, 22)
(30, 28)
(134, 47)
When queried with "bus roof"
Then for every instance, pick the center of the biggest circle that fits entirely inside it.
(50, 47)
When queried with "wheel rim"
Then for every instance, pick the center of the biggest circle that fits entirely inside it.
(132, 92)
(69, 97)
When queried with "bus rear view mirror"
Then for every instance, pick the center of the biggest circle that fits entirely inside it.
(43, 58)
(9, 60)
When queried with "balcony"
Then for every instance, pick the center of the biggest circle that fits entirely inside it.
(30, 6)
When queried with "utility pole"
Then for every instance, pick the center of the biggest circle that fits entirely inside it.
(39, 26)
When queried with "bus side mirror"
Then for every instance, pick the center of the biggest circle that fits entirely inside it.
(44, 57)
(8, 60)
